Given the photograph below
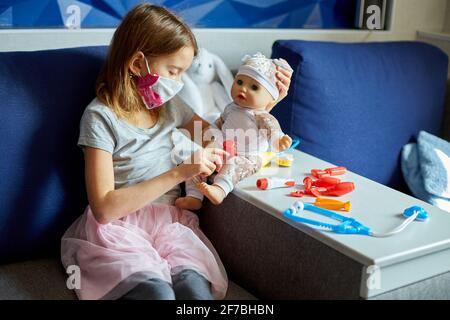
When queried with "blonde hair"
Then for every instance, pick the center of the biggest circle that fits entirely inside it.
(155, 31)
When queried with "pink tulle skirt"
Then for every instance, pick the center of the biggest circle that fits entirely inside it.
(156, 241)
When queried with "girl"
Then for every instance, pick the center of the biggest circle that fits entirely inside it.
(131, 242)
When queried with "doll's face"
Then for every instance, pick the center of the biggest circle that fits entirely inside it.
(249, 93)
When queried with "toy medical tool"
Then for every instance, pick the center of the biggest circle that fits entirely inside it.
(338, 189)
(313, 192)
(267, 157)
(285, 160)
(350, 225)
(335, 171)
(230, 147)
(332, 204)
(324, 182)
(273, 182)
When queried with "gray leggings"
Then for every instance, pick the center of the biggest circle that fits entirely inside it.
(186, 285)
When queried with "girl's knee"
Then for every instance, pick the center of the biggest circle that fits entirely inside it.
(190, 285)
(151, 289)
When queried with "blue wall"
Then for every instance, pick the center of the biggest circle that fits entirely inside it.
(198, 13)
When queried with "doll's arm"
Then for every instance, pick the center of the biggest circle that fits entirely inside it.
(278, 141)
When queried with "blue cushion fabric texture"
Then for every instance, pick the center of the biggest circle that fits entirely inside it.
(42, 96)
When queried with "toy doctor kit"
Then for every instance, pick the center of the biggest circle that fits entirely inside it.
(350, 225)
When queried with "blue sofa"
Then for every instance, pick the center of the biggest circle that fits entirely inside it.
(351, 104)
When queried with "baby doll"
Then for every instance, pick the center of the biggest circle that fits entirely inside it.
(245, 121)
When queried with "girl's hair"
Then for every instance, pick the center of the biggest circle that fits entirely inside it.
(155, 31)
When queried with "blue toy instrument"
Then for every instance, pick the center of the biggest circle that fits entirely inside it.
(350, 225)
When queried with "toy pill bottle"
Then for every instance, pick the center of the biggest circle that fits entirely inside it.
(285, 160)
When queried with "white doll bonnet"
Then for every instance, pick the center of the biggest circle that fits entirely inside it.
(263, 70)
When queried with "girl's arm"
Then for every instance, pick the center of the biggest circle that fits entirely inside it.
(108, 204)
(283, 83)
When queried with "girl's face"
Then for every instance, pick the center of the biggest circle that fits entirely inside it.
(249, 93)
(170, 66)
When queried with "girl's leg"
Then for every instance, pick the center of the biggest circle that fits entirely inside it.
(151, 289)
(185, 247)
(190, 285)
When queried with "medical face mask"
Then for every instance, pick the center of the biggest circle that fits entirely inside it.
(156, 90)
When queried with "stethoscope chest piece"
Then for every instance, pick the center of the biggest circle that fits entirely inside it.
(422, 216)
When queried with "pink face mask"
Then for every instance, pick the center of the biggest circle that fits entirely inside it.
(156, 90)
(151, 98)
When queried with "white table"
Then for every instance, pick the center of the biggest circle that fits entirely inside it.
(420, 252)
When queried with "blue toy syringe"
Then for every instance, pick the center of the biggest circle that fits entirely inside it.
(350, 225)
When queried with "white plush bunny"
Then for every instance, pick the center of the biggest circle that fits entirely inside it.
(207, 85)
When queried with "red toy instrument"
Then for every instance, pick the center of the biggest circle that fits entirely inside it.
(339, 189)
(230, 147)
(335, 171)
(335, 190)
(324, 182)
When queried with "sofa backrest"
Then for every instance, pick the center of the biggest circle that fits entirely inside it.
(42, 97)
(357, 104)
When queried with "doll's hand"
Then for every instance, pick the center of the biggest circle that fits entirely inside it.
(283, 83)
(284, 142)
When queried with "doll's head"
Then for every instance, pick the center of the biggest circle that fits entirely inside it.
(254, 85)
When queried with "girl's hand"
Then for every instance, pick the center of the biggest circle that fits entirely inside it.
(204, 162)
(283, 83)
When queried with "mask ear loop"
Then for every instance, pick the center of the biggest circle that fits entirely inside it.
(146, 63)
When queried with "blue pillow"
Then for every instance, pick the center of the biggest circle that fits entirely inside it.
(434, 157)
(43, 95)
(358, 104)
(426, 168)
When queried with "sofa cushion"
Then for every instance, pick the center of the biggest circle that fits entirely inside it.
(42, 97)
(426, 169)
(41, 279)
(45, 279)
(357, 104)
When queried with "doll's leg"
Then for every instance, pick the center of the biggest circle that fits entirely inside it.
(216, 192)
(193, 199)
(230, 174)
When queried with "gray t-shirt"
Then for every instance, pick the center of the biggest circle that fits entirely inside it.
(138, 154)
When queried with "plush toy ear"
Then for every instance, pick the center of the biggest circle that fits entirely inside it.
(225, 75)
